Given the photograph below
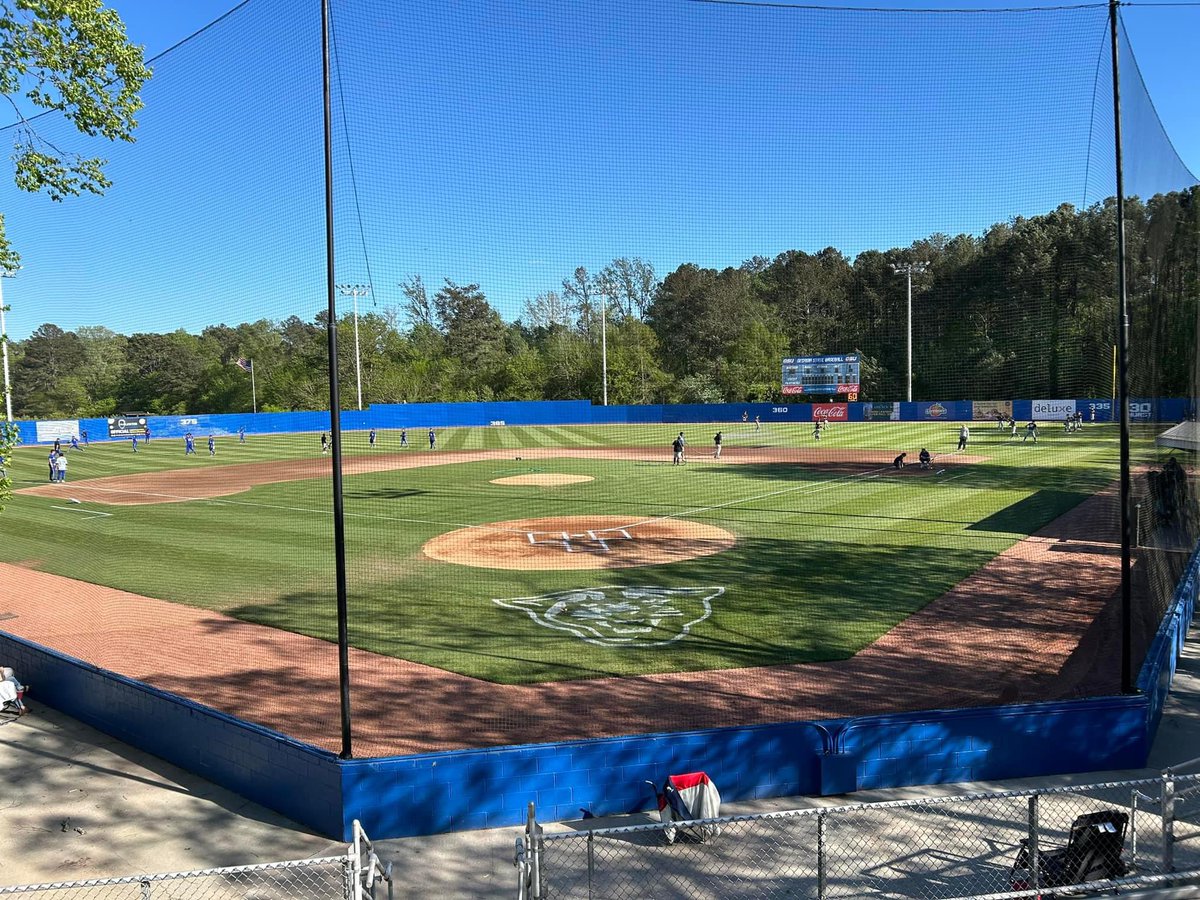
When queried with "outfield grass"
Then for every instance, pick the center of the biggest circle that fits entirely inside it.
(825, 562)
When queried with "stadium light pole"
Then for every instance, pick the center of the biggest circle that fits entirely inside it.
(908, 270)
(5, 273)
(355, 291)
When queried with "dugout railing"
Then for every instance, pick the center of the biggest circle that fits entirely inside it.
(356, 874)
(940, 849)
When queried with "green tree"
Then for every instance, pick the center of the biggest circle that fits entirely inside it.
(473, 330)
(46, 380)
(70, 57)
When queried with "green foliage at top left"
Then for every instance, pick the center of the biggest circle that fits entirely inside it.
(70, 57)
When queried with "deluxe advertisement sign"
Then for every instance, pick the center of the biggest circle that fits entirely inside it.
(834, 412)
(1053, 409)
(881, 412)
(991, 410)
(127, 425)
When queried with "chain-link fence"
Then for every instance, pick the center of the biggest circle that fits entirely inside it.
(1015, 843)
(352, 876)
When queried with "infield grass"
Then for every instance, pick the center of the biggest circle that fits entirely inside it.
(826, 560)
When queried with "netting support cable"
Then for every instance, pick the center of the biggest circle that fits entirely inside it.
(1127, 686)
(335, 402)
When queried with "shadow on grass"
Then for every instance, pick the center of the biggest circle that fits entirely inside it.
(1030, 513)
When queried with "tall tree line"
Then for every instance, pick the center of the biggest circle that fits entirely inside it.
(1027, 309)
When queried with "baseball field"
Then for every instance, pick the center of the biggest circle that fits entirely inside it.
(520, 555)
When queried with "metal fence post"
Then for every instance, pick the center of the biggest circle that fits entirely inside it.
(591, 854)
(822, 875)
(1133, 828)
(1035, 862)
(1168, 824)
(534, 831)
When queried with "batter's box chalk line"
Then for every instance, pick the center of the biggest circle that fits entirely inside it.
(581, 542)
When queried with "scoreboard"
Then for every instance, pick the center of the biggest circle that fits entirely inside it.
(821, 374)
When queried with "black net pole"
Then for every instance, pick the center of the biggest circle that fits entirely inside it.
(1122, 376)
(335, 404)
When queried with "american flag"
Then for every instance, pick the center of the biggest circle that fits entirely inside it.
(244, 363)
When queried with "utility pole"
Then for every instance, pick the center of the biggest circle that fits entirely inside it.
(5, 273)
(355, 291)
(908, 270)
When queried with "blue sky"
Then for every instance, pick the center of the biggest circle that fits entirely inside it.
(507, 143)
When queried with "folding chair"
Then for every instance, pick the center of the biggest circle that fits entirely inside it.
(1093, 853)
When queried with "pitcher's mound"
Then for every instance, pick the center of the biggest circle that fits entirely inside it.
(579, 542)
(543, 479)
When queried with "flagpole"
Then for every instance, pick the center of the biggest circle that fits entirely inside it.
(253, 389)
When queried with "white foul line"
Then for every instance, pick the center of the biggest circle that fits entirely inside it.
(92, 513)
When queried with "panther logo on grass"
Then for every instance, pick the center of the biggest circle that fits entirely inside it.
(620, 616)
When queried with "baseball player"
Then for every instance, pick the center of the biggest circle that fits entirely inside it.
(757, 424)
(212, 446)
(964, 435)
(324, 442)
(242, 435)
(898, 462)
(135, 450)
(403, 437)
(717, 445)
(371, 439)
(925, 458)
(1030, 431)
(189, 445)
(432, 439)
(677, 448)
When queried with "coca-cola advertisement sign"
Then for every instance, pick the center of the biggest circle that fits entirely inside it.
(834, 412)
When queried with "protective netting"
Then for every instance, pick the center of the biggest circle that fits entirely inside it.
(650, 205)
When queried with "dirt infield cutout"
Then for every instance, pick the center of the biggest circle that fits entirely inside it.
(543, 479)
(203, 482)
(578, 542)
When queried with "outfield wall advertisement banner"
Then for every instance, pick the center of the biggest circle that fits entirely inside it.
(881, 412)
(1053, 409)
(821, 374)
(128, 425)
(990, 410)
(53, 430)
(1141, 410)
(834, 412)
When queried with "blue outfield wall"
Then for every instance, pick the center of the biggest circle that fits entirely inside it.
(421, 416)
(435, 792)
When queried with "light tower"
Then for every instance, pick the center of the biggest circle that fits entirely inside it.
(908, 270)
(355, 291)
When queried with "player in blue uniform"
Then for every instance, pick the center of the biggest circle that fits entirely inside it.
(189, 445)
(371, 438)
(403, 437)
(212, 446)
(432, 439)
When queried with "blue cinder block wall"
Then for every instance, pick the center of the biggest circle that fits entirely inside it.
(420, 416)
